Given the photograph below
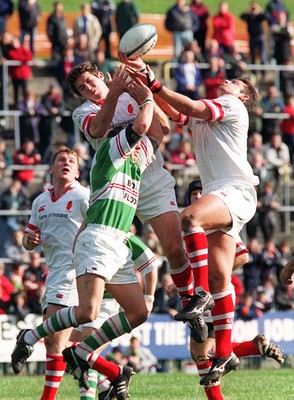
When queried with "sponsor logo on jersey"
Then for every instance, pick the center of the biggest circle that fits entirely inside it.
(41, 208)
(172, 203)
(130, 108)
(69, 205)
(59, 296)
(226, 106)
(130, 199)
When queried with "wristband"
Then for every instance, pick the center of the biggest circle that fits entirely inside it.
(147, 100)
(149, 297)
(153, 83)
(155, 86)
(182, 120)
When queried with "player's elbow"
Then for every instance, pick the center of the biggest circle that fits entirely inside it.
(165, 130)
(141, 127)
(96, 130)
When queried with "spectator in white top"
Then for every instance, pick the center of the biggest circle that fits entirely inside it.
(278, 158)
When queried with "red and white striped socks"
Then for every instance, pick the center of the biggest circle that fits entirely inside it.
(55, 367)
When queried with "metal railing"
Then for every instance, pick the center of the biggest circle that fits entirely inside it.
(39, 64)
(275, 69)
(16, 115)
(183, 175)
(5, 75)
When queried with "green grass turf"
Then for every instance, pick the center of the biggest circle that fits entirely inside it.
(161, 6)
(265, 384)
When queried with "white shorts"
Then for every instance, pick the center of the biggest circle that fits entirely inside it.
(61, 287)
(157, 194)
(109, 308)
(240, 200)
(102, 252)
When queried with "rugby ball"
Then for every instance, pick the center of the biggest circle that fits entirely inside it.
(138, 40)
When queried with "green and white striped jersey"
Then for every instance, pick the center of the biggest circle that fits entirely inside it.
(115, 181)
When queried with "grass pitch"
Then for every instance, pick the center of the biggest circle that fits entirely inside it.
(277, 384)
(161, 7)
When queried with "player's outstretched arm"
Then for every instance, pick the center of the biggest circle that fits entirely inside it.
(144, 98)
(180, 103)
(159, 125)
(137, 68)
(101, 123)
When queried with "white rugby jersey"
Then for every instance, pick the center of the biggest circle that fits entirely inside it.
(58, 221)
(125, 113)
(220, 144)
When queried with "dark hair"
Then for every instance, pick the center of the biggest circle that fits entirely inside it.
(78, 71)
(194, 185)
(251, 92)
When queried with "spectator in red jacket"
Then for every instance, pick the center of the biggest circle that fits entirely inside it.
(26, 155)
(224, 27)
(287, 127)
(6, 290)
(213, 76)
(20, 74)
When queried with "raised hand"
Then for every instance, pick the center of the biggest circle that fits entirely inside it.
(139, 91)
(120, 80)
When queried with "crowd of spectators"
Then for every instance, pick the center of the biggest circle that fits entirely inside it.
(257, 285)
(270, 144)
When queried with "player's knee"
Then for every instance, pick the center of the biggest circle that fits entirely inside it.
(86, 315)
(138, 317)
(176, 252)
(188, 220)
(217, 280)
(142, 316)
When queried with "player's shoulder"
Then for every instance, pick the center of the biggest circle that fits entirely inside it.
(44, 196)
(230, 98)
(80, 190)
(85, 107)
(42, 199)
(230, 103)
